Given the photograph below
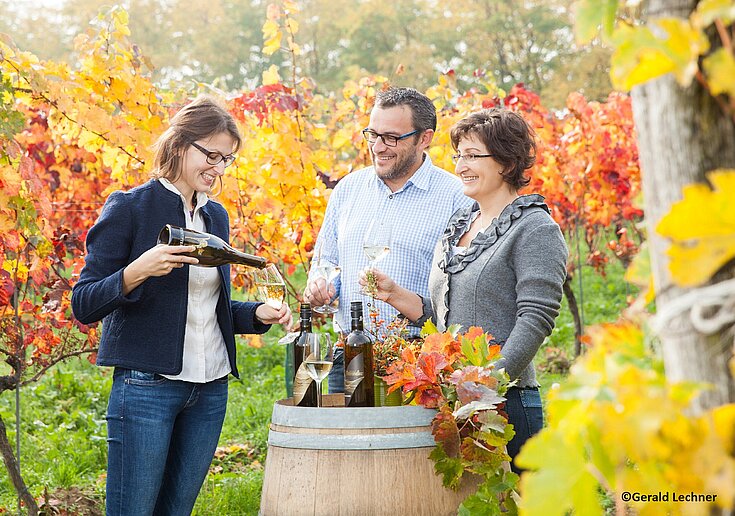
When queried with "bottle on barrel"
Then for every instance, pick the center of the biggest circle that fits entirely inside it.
(304, 388)
(211, 250)
(359, 386)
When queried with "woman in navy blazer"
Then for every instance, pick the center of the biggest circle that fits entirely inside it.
(168, 326)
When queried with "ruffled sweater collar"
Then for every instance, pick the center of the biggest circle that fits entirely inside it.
(460, 222)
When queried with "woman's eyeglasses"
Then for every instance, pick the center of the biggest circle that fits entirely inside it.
(214, 157)
(470, 158)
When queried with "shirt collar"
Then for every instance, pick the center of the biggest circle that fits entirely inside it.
(202, 198)
(421, 179)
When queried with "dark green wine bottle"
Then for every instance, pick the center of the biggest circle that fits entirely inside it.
(304, 388)
(211, 250)
(359, 382)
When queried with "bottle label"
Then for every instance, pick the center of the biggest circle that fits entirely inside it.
(354, 373)
(301, 383)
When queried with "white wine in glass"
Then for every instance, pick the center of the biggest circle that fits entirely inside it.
(376, 246)
(318, 370)
(375, 253)
(319, 362)
(271, 287)
(272, 294)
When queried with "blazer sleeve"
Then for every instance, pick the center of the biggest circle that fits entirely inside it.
(243, 317)
(99, 290)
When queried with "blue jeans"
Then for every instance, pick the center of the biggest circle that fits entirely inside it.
(523, 406)
(161, 437)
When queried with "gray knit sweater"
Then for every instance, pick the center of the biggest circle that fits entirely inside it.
(508, 281)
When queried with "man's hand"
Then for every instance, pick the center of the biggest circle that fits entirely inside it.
(318, 293)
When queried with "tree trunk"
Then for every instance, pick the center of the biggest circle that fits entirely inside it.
(11, 464)
(574, 309)
(682, 134)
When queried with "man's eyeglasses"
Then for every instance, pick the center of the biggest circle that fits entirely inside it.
(470, 158)
(388, 139)
(214, 157)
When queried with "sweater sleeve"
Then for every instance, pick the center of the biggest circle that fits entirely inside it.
(539, 259)
(99, 290)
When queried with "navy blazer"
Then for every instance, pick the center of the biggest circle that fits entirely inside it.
(145, 329)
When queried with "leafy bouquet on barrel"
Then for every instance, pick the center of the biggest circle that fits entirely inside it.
(455, 374)
(389, 340)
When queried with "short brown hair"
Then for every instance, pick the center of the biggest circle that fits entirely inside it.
(423, 112)
(201, 118)
(507, 136)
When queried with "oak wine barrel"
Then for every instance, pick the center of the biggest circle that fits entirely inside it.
(353, 461)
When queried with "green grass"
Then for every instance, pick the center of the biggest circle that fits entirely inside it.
(63, 427)
(63, 432)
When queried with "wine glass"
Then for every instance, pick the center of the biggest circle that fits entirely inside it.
(319, 362)
(270, 284)
(376, 246)
(329, 271)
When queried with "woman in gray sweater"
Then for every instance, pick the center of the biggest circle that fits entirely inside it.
(500, 264)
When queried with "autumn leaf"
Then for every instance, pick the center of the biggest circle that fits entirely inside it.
(6, 288)
(701, 228)
(270, 76)
(445, 431)
(563, 481)
(255, 341)
(719, 68)
(450, 468)
(430, 364)
(708, 11)
(475, 398)
(646, 52)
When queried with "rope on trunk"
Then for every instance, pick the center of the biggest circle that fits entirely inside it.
(710, 308)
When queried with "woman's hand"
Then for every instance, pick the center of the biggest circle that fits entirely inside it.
(269, 315)
(156, 261)
(380, 285)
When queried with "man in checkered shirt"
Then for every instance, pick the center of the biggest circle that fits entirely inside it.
(402, 188)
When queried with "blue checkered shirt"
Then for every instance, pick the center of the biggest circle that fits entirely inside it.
(418, 214)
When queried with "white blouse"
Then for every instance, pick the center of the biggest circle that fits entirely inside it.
(205, 354)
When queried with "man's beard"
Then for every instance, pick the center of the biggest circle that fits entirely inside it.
(400, 168)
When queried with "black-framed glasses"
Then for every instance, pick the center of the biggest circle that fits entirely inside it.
(388, 139)
(214, 157)
(470, 158)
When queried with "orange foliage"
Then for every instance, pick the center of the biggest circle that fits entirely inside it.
(89, 129)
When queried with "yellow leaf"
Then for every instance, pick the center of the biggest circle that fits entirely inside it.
(271, 37)
(341, 138)
(11, 266)
(564, 481)
(710, 10)
(270, 76)
(720, 70)
(701, 228)
(292, 25)
(646, 52)
(291, 6)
